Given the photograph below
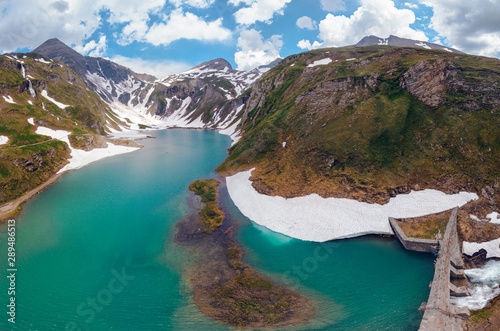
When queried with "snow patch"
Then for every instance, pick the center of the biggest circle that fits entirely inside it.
(80, 158)
(30, 102)
(383, 41)
(58, 104)
(31, 121)
(231, 132)
(492, 248)
(320, 62)
(4, 140)
(422, 44)
(44, 61)
(314, 218)
(475, 218)
(9, 99)
(284, 144)
(180, 119)
(494, 217)
(351, 59)
(136, 115)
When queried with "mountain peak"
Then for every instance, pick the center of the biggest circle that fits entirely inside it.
(57, 50)
(216, 64)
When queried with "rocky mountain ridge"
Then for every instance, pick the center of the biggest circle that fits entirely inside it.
(402, 42)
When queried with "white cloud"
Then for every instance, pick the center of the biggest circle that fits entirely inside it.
(135, 30)
(28, 23)
(411, 5)
(471, 26)
(305, 22)
(180, 25)
(158, 68)
(237, 2)
(373, 17)
(193, 3)
(254, 51)
(92, 48)
(333, 5)
(259, 10)
(306, 44)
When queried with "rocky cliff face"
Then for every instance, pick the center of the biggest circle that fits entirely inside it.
(428, 80)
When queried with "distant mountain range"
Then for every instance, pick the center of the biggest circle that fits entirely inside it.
(190, 99)
(402, 42)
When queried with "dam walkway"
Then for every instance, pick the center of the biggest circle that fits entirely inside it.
(439, 313)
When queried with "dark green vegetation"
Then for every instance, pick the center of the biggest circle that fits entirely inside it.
(211, 215)
(375, 122)
(29, 159)
(249, 298)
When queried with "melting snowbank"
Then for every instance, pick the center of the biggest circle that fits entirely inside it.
(314, 218)
(320, 62)
(486, 281)
(491, 247)
(4, 140)
(232, 133)
(58, 104)
(494, 217)
(80, 158)
(9, 99)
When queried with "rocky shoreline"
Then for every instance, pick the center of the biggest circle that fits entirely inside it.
(227, 289)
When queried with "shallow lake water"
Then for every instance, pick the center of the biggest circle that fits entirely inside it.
(95, 251)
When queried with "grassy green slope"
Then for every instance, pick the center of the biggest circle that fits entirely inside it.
(28, 159)
(353, 129)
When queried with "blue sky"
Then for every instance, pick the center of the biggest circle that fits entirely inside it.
(169, 36)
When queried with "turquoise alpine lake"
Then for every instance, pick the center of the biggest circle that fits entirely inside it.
(95, 251)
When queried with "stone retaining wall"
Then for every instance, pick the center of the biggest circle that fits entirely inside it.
(413, 244)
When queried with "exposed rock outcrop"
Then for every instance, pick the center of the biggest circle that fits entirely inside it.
(427, 80)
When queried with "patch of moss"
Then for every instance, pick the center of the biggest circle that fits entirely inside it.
(482, 314)
(250, 298)
(211, 216)
(206, 189)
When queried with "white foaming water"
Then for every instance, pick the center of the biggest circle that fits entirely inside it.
(489, 274)
(487, 286)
